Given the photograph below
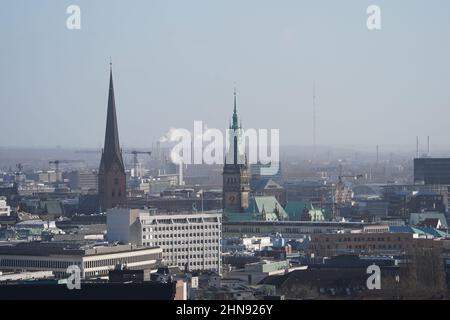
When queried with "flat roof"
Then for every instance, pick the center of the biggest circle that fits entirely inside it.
(299, 223)
(65, 248)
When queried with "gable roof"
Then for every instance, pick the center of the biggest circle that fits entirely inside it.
(265, 184)
(268, 204)
(424, 231)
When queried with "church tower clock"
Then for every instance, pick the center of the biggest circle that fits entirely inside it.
(236, 179)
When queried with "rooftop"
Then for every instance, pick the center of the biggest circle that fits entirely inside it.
(66, 248)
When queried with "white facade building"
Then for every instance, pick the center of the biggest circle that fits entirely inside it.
(4, 209)
(188, 240)
(93, 261)
(243, 243)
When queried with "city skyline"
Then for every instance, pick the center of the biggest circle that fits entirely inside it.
(220, 151)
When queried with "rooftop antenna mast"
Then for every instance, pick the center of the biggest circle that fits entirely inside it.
(428, 146)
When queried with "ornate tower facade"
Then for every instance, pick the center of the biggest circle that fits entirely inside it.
(236, 178)
(111, 176)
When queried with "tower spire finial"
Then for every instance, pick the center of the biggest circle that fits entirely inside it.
(110, 63)
(235, 117)
(234, 99)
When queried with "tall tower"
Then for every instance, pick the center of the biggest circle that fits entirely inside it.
(236, 179)
(111, 176)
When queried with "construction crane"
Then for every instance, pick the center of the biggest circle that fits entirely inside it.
(339, 193)
(135, 159)
(133, 152)
(58, 162)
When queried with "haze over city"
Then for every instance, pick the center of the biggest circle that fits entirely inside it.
(178, 62)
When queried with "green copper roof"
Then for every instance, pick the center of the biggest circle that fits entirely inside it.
(417, 230)
(269, 205)
(295, 209)
(434, 232)
(316, 215)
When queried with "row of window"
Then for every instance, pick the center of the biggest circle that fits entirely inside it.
(302, 230)
(365, 247)
(182, 249)
(173, 228)
(19, 263)
(305, 230)
(185, 235)
(184, 242)
(196, 255)
(115, 261)
(361, 239)
(195, 263)
(204, 265)
(233, 180)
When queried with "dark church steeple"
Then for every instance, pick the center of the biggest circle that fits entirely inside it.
(111, 149)
(112, 179)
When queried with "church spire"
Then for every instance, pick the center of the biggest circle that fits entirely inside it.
(235, 125)
(111, 173)
(112, 146)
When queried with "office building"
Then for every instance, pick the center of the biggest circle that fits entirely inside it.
(93, 261)
(390, 240)
(188, 240)
(432, 171)
(86, 180)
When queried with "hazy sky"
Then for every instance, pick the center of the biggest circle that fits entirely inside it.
(177, 61)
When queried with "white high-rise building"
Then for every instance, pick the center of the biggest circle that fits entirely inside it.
(5, 210)
(188, 240)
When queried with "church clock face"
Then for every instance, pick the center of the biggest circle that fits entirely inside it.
(231, 199)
